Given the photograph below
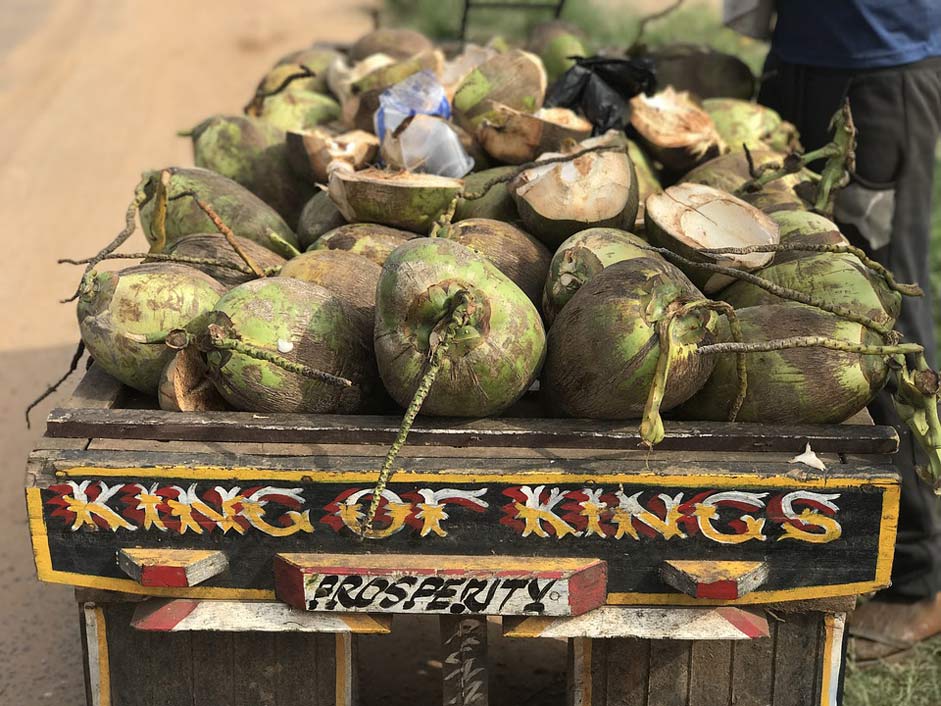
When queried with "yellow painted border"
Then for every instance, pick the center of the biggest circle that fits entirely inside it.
(888, 529)
(344, 663)
(97, 651)
(581, 656)
(833, 624)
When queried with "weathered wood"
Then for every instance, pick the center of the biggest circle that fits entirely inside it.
(96, 390)
(579, 433)
(728, 580)
(627, 671)
(670, 623)
(668, 683)
(213, 657)
(710, 670)
(465, 673)
(172, 568)
(753, 671)
(797, 668)
(444, 585)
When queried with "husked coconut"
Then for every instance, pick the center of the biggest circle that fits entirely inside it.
(312, 151)
(559, 199)
(689, 218)
(397, 199)
(676, 131)
(515, 137)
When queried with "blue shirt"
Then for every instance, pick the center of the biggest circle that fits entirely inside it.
(857, 34)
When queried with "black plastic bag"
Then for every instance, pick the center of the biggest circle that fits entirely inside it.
(601, 87)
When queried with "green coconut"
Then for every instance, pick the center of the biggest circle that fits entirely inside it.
(254, 154)
(302, 323)
(554, 42)
(319, 216)
(370, 240)
(689, 218)
(494, 357)
(214, 246)
(515, 252)
(514, 137)
(743, 122)
(796, 386)
(604, 347)
(350, 276)
(646, 173)
(124, 317)
(397, 199)
(497, 203)
(297, 110)
(583, 256)
(703, 71)
(839, 279)
(557, 200)
(317, 59)
(804, 228)
(242, 211)
(516, 79)
(397, 42)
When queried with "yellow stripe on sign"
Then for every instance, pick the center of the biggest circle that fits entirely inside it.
(834, 625)
(104, 663)
(344, 663)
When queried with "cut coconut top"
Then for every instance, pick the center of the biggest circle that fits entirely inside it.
(590, 188)
(565, 117)
(703, 218)
(671, 119)
(404, 179)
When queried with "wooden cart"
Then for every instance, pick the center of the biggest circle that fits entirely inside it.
(711, 570)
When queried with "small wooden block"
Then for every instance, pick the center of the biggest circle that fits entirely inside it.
(184, 615)
(723, 580)
(175, 568)
(720, 623)
(443, 585)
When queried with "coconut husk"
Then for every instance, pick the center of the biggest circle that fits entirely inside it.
(457, 69)
(554, 42)
(317, 60)
(214, 246)
(514, 137)
(242, 211)
(252, 153)
(703, 71)
(124, 315)
(352, 277)
(603, 347)
(689, 218)
(369, 240)
(398, 43)
(397, 199)
(185, 385)
(805, 228)
(730, 172)
(557, 200)
(319, 216)
(677, 132)
(311, 152)
(583, 256)
(741, 122)
(298, 110)
(647, 181)
(516, 79)
(497, 204)
(515, 252)
(304, 324)
(341, 74)
(796, 386)
(361, 104)
(495, 356)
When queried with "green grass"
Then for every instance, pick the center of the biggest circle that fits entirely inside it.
(914, 682)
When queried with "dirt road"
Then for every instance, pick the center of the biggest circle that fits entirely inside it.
(91, 93)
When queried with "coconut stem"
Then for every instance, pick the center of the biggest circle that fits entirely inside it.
(741, 358)
(777, 290)
(810, 342)
(444, 220)
(651, 426)
(916, 401)
(909, 290)
(73, 366)
(130, 225)
(225, 230)
(456, 319)
(473, 196)
(221, 342)
(159, 222)
(163, 257)
(254, 106)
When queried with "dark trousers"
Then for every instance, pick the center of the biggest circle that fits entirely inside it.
(897, 113)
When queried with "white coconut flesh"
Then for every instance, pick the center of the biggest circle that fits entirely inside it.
(703, 218)
(565, 118)
(591, 188)
(670, 119)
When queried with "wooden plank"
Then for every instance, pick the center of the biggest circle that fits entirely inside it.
(442, 585)
(586, 675)
(97, 662)
(171, 567)
(797, 659)
(213, 661)
(296, 654)
(710, 673)
(753, 671)
(465, 677)
(832, 658)
(701, 578)
(182, 615)
(669, 673)
(724, 623)
(255, 685)
(578, 433)
(96, 390)
(627, 672)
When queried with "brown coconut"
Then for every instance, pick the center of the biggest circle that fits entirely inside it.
(185, 385)
(369, 240)
(514, 137)
(214, 246)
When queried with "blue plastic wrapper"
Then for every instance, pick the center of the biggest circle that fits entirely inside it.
(419, 94)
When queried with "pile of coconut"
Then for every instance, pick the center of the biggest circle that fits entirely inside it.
(676, 267)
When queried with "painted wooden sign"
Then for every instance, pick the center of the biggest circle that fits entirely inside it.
(451, 585)
(171, 567)
(820, 534)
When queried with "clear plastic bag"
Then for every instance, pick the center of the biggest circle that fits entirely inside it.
(426, 143)
(419, 94)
